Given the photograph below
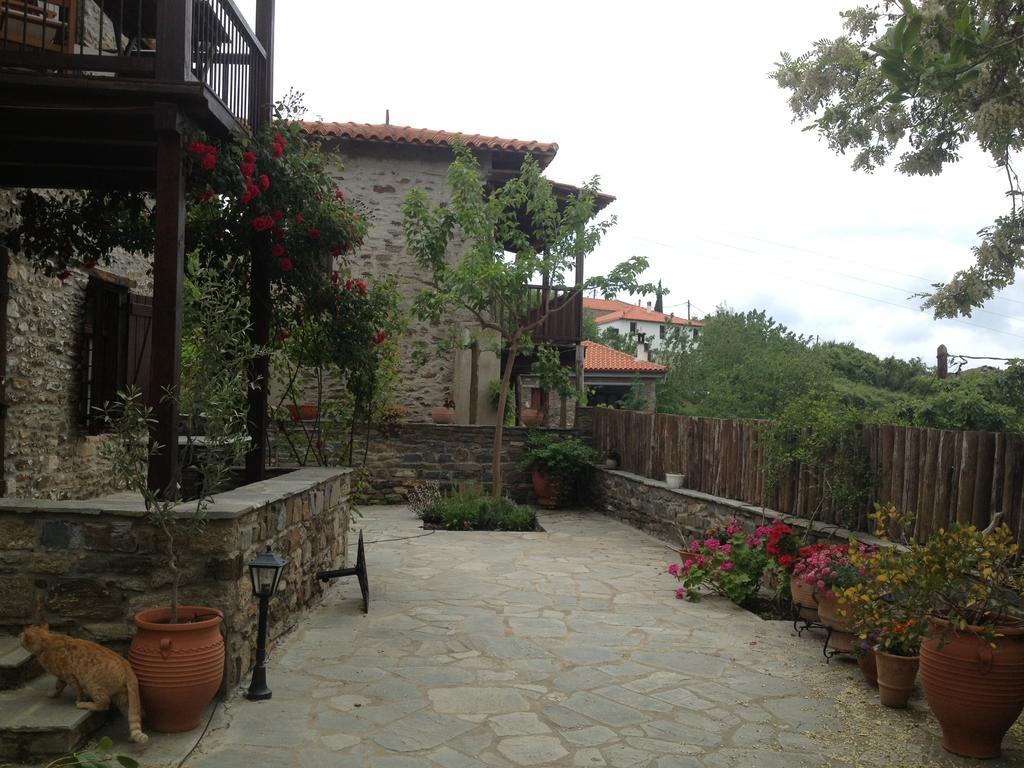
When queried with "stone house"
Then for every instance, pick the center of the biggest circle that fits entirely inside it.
(379, 166)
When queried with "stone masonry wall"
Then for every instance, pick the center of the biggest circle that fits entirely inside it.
(47, 454)
(678, 514)
(378, 178)
(97, 563)
(448, 454)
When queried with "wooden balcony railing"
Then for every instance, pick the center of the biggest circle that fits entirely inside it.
(172, 41)
(564, 322)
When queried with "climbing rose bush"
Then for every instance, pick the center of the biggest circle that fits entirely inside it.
(724, 561)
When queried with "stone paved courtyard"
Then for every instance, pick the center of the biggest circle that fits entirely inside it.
(562, 648)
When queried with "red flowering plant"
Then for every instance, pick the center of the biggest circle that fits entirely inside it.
(724, 561)
(337, 352)
(780, 543)
(833, 567)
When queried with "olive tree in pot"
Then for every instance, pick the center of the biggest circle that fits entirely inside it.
(560, 466)
(178, 652)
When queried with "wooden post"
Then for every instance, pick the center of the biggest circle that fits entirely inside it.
(942, 362)
(174, 37)
(474, 381)
(168, 277)
(259, 278)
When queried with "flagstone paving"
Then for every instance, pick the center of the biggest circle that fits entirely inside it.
(557, 648)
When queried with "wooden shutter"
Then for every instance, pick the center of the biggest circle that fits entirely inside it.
(140, 325)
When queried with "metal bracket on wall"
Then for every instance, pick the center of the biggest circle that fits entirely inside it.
(359, 571)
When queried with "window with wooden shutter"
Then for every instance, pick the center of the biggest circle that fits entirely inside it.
(115, 347)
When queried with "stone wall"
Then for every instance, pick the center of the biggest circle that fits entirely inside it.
(377, 178)
(47, 453)
(452, 455)
(97, 563)
(677, 514)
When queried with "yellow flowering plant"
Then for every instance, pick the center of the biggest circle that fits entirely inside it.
(883, 610)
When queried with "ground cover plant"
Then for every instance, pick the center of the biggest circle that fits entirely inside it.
(469, 510)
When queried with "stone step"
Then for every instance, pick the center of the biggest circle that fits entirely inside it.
(34, 726)
(17, 666)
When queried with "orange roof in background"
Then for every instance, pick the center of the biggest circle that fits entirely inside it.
(403, 134)
(621, 310)
(597, 358)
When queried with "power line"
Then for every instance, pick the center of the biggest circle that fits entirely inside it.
(838, 258)
(840, 274)
(858, 295)
(828, 287)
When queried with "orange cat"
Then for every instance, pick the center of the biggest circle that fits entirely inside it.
(97, 675)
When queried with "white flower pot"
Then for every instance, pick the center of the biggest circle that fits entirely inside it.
(673, 480)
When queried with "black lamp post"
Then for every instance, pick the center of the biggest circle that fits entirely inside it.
(265, 571)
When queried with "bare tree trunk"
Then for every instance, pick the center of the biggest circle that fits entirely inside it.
(499, 425)
(474, 381)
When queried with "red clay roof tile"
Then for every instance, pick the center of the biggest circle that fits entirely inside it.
(621, 310)
(403, 134)
(597, 358)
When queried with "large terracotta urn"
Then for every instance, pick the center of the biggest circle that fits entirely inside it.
(976, 691)
(896, 677)
(547, 492)
(179, 666)
(802, 595)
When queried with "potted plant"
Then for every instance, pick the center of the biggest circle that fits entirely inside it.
(445, 413)
(800, 591)
(177, 652)
(830, 569)
(673, 480)
(888, 617)
(558, 466)
(972, 657)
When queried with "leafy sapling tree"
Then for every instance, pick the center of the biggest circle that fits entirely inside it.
(926, 78)
(483, 250)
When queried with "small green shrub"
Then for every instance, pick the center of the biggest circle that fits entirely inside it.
(568, 462)
(472, 511)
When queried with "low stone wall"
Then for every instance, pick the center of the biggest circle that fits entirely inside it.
(677, 514)
(96, 563)
(449, 454)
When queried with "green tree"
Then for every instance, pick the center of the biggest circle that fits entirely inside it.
(744, 365)
(926, 79)
(501, 256)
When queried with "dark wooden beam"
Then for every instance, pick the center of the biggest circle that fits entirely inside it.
(134, 65)
(259, 278)
(168, 278)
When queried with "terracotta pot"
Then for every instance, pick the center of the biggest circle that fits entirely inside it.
(530, 417)
(179, 666)
(547, 492)
(305, 412)
(802, 595)
(896, 678)
(442, 415)
(841, 639)
(975, 691)
(869, 667)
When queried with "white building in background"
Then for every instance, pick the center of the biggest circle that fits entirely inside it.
(631, 320)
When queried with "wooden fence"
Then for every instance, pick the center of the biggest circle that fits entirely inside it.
(942, 476)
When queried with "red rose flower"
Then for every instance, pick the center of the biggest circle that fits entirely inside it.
(380, 337)
(277, 215)
(248, 170)
(264, 182)
(277, 250)
(348, 285)
(361, 286)
(248, 158)
(196, 148)
(208, 194)
(299, 218)
(314, 233)
(334, 277)
(282, 335)
(339, 194)
(208, 162)
(285, 264)
(262, 223)
(278, 150)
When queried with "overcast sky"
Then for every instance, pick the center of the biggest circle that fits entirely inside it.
(671, 105)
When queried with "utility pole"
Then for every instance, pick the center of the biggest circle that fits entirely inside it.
(942, 362)
(687, 310)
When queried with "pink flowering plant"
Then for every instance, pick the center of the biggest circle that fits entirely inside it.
(724, 561)
(834, 567)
